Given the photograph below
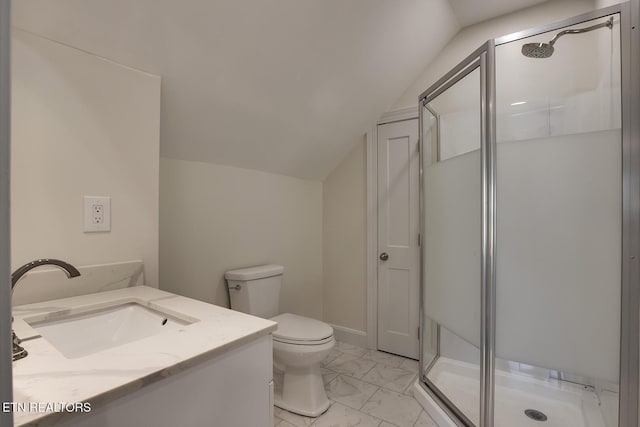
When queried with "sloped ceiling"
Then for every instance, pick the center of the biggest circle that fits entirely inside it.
(283, 86)
(470, 12)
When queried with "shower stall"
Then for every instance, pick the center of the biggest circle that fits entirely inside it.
(530, 164)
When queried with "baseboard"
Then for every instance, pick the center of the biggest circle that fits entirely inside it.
(350, 336)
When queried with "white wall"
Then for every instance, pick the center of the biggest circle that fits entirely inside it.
(215, 218)
(605, 3)
(300, 77)
(344, 242)
(470, 38)
(82, 125)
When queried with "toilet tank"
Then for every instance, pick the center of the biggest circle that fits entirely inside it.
(255, 290)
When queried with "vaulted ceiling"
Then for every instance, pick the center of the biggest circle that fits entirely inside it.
(470, 12)
(283, 86)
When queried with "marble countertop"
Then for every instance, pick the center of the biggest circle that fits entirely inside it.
(45, 375)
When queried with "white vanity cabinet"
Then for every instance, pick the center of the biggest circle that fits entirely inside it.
(229, 390)
(213, 369)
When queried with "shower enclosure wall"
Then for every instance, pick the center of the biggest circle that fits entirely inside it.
(530, 199)
(6, 379)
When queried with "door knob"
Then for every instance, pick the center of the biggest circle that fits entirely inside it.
(384, 256)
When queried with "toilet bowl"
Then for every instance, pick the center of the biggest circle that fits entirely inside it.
(299, 343)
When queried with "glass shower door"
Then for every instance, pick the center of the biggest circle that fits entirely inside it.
(529, 273)
(559, 193)
(453, 117)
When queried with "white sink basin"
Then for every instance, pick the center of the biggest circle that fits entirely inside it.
(20, 396)
(90, 332)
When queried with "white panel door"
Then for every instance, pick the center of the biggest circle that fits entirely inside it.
(398, 240)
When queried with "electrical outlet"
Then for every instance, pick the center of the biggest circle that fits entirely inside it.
(97, 214)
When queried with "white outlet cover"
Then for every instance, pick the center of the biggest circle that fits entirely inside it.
(97, 214)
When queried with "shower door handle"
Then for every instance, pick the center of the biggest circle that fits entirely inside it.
(384, 256)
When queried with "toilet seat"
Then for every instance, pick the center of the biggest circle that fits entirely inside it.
(305, 343)
(299, 330)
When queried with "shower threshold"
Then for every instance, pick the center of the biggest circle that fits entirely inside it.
(525, 401)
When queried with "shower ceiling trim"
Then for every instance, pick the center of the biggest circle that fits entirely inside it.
(579, 19)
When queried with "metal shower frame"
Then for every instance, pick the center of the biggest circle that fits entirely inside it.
(484, 58)
(6, 379)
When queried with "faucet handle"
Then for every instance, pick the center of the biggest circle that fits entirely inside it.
(15, 338)
(18, 351)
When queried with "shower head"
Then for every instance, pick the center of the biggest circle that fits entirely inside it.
(545, 50)
(537, 50)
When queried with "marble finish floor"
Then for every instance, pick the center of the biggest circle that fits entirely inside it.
(367, 388)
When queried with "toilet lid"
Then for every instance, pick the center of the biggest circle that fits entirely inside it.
(292, 327)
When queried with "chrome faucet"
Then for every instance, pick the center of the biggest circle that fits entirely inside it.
(18, 351)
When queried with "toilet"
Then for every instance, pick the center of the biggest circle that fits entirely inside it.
(299, 344)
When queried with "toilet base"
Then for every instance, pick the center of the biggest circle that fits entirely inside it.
(303, 392)
(282, 405)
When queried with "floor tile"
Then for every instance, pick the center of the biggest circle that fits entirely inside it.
(396, 379)
(295, 419)
(350, 348)
(284, 423)
(342, 416)
(327, 375)
(393, 407)
(350, 391)
(331, 356)
(409, 390)
(352, 377)
(409, 364)
(384, 358)
(424, 420)
(351, 365)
